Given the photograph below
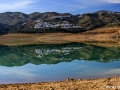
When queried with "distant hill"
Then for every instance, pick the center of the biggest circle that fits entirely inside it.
(13, 18)
(12, 22)
(99, 19)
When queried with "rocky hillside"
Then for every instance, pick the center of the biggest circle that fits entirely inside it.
(20, 22)
(13, 18)
(99, 19)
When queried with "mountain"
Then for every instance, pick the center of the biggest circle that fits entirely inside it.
(20, 22)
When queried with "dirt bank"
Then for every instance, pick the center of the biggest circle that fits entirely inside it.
(69, 84)
(103, 35)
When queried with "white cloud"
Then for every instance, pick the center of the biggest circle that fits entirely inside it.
(112, 1)
(16, 71)
(112, 72)
(85, 2)
(88, 2)
(15, 5)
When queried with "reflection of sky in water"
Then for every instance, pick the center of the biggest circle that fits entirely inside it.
(61, 71)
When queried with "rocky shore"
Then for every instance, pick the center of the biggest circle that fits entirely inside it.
(112, 83)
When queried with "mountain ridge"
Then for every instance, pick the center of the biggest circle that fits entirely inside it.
(21, 22)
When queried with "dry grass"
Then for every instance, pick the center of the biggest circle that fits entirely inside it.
(104, 30)
(16, 39)
(106, 35)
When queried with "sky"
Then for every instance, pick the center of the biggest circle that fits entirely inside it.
(60, 6)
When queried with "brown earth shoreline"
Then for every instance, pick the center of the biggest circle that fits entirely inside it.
(112, 83)
(100, 37)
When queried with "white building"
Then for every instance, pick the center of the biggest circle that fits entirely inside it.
(66, 26)
(76, 27)
(43, 25)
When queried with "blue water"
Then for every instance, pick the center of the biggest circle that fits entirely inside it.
(28, 64)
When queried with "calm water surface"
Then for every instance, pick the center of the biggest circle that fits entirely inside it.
(35, 63)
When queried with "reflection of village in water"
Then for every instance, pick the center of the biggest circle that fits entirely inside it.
(53, 54)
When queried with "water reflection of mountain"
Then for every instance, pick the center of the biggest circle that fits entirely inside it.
(53, 54)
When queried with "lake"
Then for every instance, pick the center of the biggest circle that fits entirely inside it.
(38, 63)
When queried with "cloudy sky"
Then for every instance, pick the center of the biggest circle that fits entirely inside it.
(61, 6)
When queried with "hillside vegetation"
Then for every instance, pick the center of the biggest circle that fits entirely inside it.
(18, 22)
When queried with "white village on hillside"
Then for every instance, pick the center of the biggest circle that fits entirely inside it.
(64, 24)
